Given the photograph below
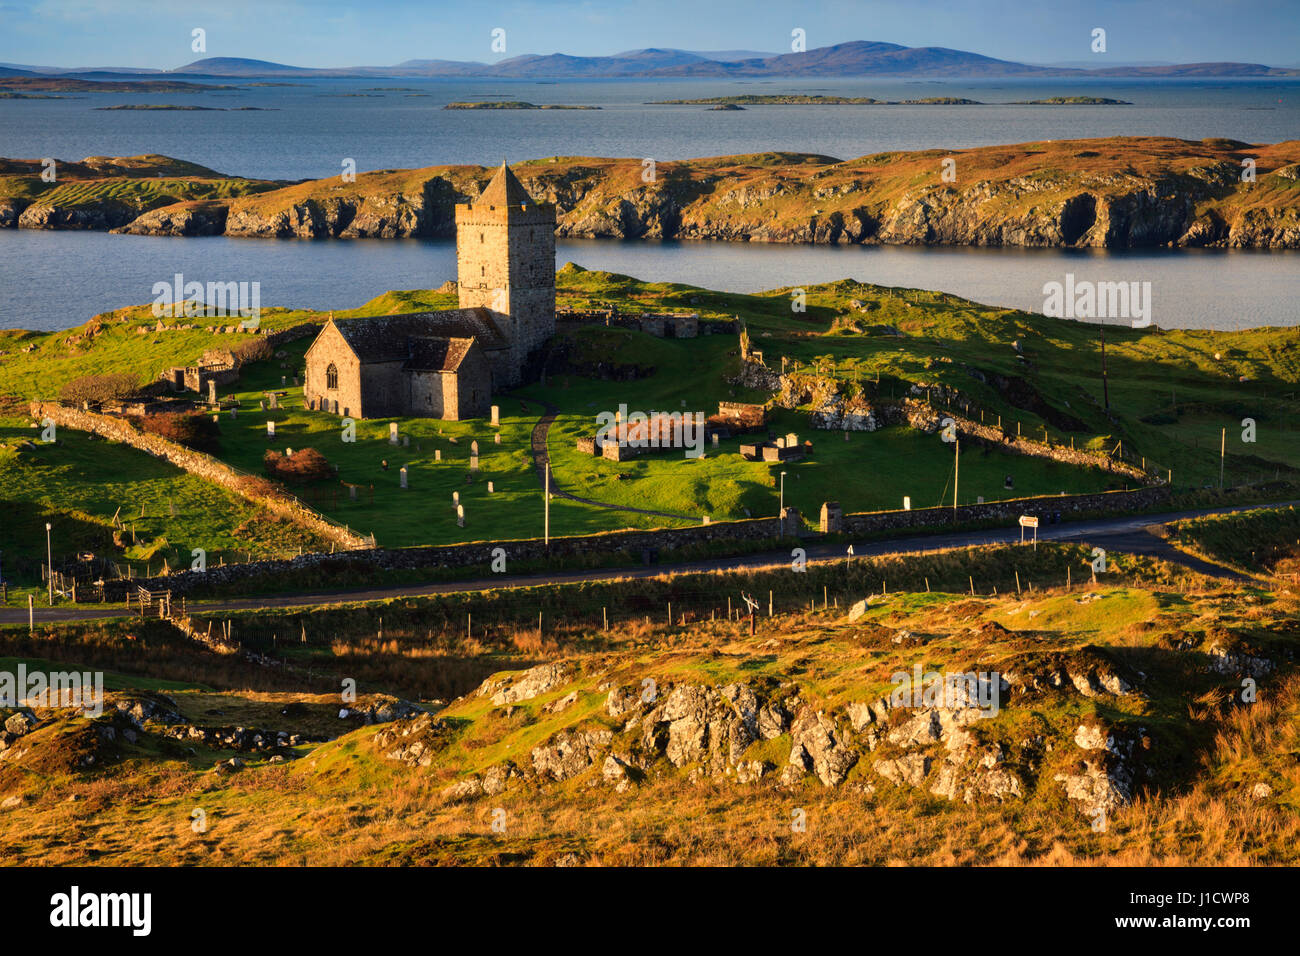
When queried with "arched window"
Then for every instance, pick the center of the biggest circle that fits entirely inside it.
(332, 376)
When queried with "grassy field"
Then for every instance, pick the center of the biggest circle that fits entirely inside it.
(80, 483)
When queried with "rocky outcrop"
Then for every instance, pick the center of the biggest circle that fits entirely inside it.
(1149, 192)
(513, 689)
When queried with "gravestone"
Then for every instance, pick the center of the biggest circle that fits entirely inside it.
(907, 503)
(473, 463)
(282, 381)
(455, 498)
(270, 429)
(715, 439)
(497, 438)
(406, 441)
(490, 488)
(473, 448)
(403, 476)
(352, 492)
(496, 416)
(274, 402)
(261, 404)
(212, 392)
(706, 519)
(460, 516)
(234, 413)
(437, 454)
(392, 433)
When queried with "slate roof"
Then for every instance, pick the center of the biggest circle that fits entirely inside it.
(437, 354)
(505, 190)
(387, 338)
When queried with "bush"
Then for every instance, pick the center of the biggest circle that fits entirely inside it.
(113, 387)
(193, 431)
(303, 466)
(253, 349)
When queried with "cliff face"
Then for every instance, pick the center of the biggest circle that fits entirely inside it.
(1113, 193)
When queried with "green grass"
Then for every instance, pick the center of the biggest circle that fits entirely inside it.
(79, 483)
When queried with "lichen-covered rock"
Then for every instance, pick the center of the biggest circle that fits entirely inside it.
(532, 682)
(908, 769)
(569, 753)
(816, 746)
(416, 741)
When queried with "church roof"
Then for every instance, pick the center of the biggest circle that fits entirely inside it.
(387, 338)
(505, 190)
(438, 354)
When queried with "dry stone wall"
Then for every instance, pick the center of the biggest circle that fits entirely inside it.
(663, 542)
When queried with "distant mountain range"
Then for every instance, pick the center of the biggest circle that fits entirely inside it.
(857, 58)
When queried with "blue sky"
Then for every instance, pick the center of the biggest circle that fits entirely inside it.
(156, 33)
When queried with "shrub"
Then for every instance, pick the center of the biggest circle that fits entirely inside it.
(193, 431)
(303, 466)
(253, 349)
(113, 387)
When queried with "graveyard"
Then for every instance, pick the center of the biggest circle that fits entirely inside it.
(1174, 398)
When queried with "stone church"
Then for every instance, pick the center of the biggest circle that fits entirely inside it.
(448, 364)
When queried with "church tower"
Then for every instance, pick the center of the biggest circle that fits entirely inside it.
(505, 262)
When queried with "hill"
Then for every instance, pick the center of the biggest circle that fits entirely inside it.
(1099, 723)
(1102, 193)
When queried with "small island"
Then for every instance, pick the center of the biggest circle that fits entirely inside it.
(514, 105)
(1072, 101)
(800, 99)
(187, 109)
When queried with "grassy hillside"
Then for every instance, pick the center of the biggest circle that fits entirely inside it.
(1121, 696)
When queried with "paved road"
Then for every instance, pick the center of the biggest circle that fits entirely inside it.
(1127, 534)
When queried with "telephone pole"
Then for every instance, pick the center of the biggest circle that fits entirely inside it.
(956, 473)
(1105, 384)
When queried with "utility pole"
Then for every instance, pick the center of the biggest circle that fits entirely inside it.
(781, 505)
(1223, 447)
(49, 561)
(956, 471)
(1105, 384)
(546, 507)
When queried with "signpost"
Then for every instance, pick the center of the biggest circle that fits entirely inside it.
(1029, 521)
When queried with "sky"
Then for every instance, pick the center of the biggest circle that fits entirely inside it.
(336, 33)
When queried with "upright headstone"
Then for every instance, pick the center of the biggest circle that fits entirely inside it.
(460, 516)
(406, 441)
(212, 392)
(274, 401)
(907, 503)
(473, 448)
(437, 454)
(402, 473)
(706, 519)
(715, 439)
(497, 438)
(234, 413)
(282, 381)
(270, 429)
(496, 416)
(473, 463)
(455, 498)
(490, 488)
(392, 433)
(261, 404)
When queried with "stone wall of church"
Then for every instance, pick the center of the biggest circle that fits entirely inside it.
(330, 348)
